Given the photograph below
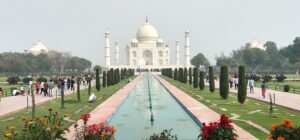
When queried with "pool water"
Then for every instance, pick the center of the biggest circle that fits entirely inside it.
(150, 108)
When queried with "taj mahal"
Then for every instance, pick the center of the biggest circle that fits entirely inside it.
(147, 51)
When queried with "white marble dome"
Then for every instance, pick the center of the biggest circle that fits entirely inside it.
(147, 33)
(38, 48)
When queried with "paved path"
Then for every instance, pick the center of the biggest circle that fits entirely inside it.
(105, 110)
(200, 111)
(289, 100)
(12, 104)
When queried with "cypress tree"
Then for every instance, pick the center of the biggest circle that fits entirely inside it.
(211, 79)
(112, 77)
(242, 87)
(190, 76)
(89, 86)
(175, 74)
(98, 86)
(33, 101)
(224, 85)
(185, 76)
(181, 75)
(104, 79)
(125, 73)
(201, 80)
(78, 89)
(195, 84)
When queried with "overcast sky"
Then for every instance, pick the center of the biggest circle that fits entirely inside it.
(78, 26)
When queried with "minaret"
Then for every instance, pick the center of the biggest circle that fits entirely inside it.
(187, 49)
(177, 52)
(107, 52)
(117, 52)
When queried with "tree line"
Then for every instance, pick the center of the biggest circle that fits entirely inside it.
(272, 59)
(54, 62)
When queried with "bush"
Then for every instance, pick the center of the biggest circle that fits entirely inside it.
(13, 80)
(221, 130)
(286, 88)
(242, 86)
(41, 79)
(27, 79)
(280, 77)
(48, 127)
(285, 130)
(211, 79)
(267, 78)
(201, 80)
(196, 78)
(224, 86)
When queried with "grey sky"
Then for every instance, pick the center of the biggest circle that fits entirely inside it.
(78, 26)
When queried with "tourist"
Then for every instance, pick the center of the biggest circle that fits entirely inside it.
(92, 98)
(251, 85)
(69, 83)
(72, 84)
(263, 89)
(231, 82)
(65, 84)
(1, 93)
(22, 90)
(51, 86)
(83, 81)
(236, 83)
(46, 86)
(37, 87)
(42, 87)
(59, 86)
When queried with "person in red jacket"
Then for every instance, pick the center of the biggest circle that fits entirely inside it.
(37, 87)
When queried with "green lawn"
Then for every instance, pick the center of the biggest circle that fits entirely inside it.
(7, 88)
(72, 107)
(294, 86)
(231, 104)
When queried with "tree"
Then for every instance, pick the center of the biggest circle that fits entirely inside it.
(33, 101)
(224, 86)
(201, 80)
(292, 52)
(211, 79)
(242, 86)
(185, 75)
(199, 59)
(176, 74)
(89, 80)
(98, 67)
(195, 78)
(190, 76)
(98, 84)
(104, 79)
(78, 89)
(180, 75)
(254, 57)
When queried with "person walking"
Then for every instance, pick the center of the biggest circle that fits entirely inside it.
(263, 89)
(59, 86)
(22, 90)
(42, 87)
(236, 83)
(51, 86)
(72, 84)
(251, 85)
(46, 86)
(37, 87)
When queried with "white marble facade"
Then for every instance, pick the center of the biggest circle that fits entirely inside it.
(146, 51)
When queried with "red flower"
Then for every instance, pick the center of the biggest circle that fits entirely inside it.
(85, 117)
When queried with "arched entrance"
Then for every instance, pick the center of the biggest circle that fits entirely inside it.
(147, 57)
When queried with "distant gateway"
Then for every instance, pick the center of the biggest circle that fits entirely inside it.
(147, 51)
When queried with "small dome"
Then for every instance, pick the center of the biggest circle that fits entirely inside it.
(134, 40)
(38, 48)
(160, 40)
(147, 33)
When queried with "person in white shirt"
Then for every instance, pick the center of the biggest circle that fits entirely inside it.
(251, 85)
(236, 83)
(92, 98)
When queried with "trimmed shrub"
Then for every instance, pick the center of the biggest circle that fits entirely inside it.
(224, 86)
(175, 74)
(211, 79)
(201, 80)
(242, 86)
(185, 75)
(280, 77)
(104, 79)
(98, 84)
(190, 76)
(180, 76)
(267, 78)
(196, 74)
(286, 88)
(13, 80)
